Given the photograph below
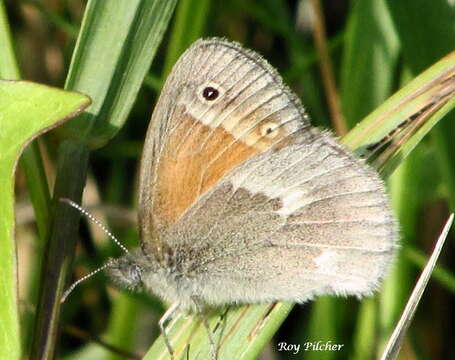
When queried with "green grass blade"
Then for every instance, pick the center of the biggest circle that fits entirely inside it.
(8, 64)
(190, 19)
(323, 326)
(413, 184)
(396, 287)
(396, 340)
(431, 93)
(60, 246)
(244, 332)
(425, 29)
(440, 273)
(427, 34)
(114, 50)
(117, 43)
(370, 57)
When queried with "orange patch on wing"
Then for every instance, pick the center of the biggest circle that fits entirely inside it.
(191, 165)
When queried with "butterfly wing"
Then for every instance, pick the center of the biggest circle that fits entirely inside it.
(238, 191)
(288, 224)
(220, 106)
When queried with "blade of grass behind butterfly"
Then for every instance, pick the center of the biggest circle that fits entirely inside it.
(426, 89)
(435, 99)
(394, 344)
(408, 189)
(114, 50)
(426, 99)
(366, 81)
(421, 46)
(125, 313)
(188, 26)
(123, 48)
(432, 39)
(437, 16)
(276, 17)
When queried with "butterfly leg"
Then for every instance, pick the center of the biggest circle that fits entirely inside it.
(213, 346)
(168, 315)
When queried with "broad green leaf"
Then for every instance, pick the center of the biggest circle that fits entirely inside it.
(31, 159)
(27, 110)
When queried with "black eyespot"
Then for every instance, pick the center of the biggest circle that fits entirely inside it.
(210, 93)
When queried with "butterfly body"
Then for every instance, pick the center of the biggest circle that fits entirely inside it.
(242, 201)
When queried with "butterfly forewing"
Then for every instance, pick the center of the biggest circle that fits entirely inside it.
(220, 106)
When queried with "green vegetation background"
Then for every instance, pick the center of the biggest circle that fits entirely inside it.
(376, 47)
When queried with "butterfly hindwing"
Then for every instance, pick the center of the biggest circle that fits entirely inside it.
(304, 220)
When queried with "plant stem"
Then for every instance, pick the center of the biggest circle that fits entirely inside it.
(72, 169)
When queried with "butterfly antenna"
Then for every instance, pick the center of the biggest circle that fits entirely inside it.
(105, 230)
(96, 221)
(74, 284)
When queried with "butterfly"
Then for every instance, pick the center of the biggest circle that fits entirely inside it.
(242, 201)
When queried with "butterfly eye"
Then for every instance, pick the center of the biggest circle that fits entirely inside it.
(210, 93)
(267, 129)
(135, 273)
